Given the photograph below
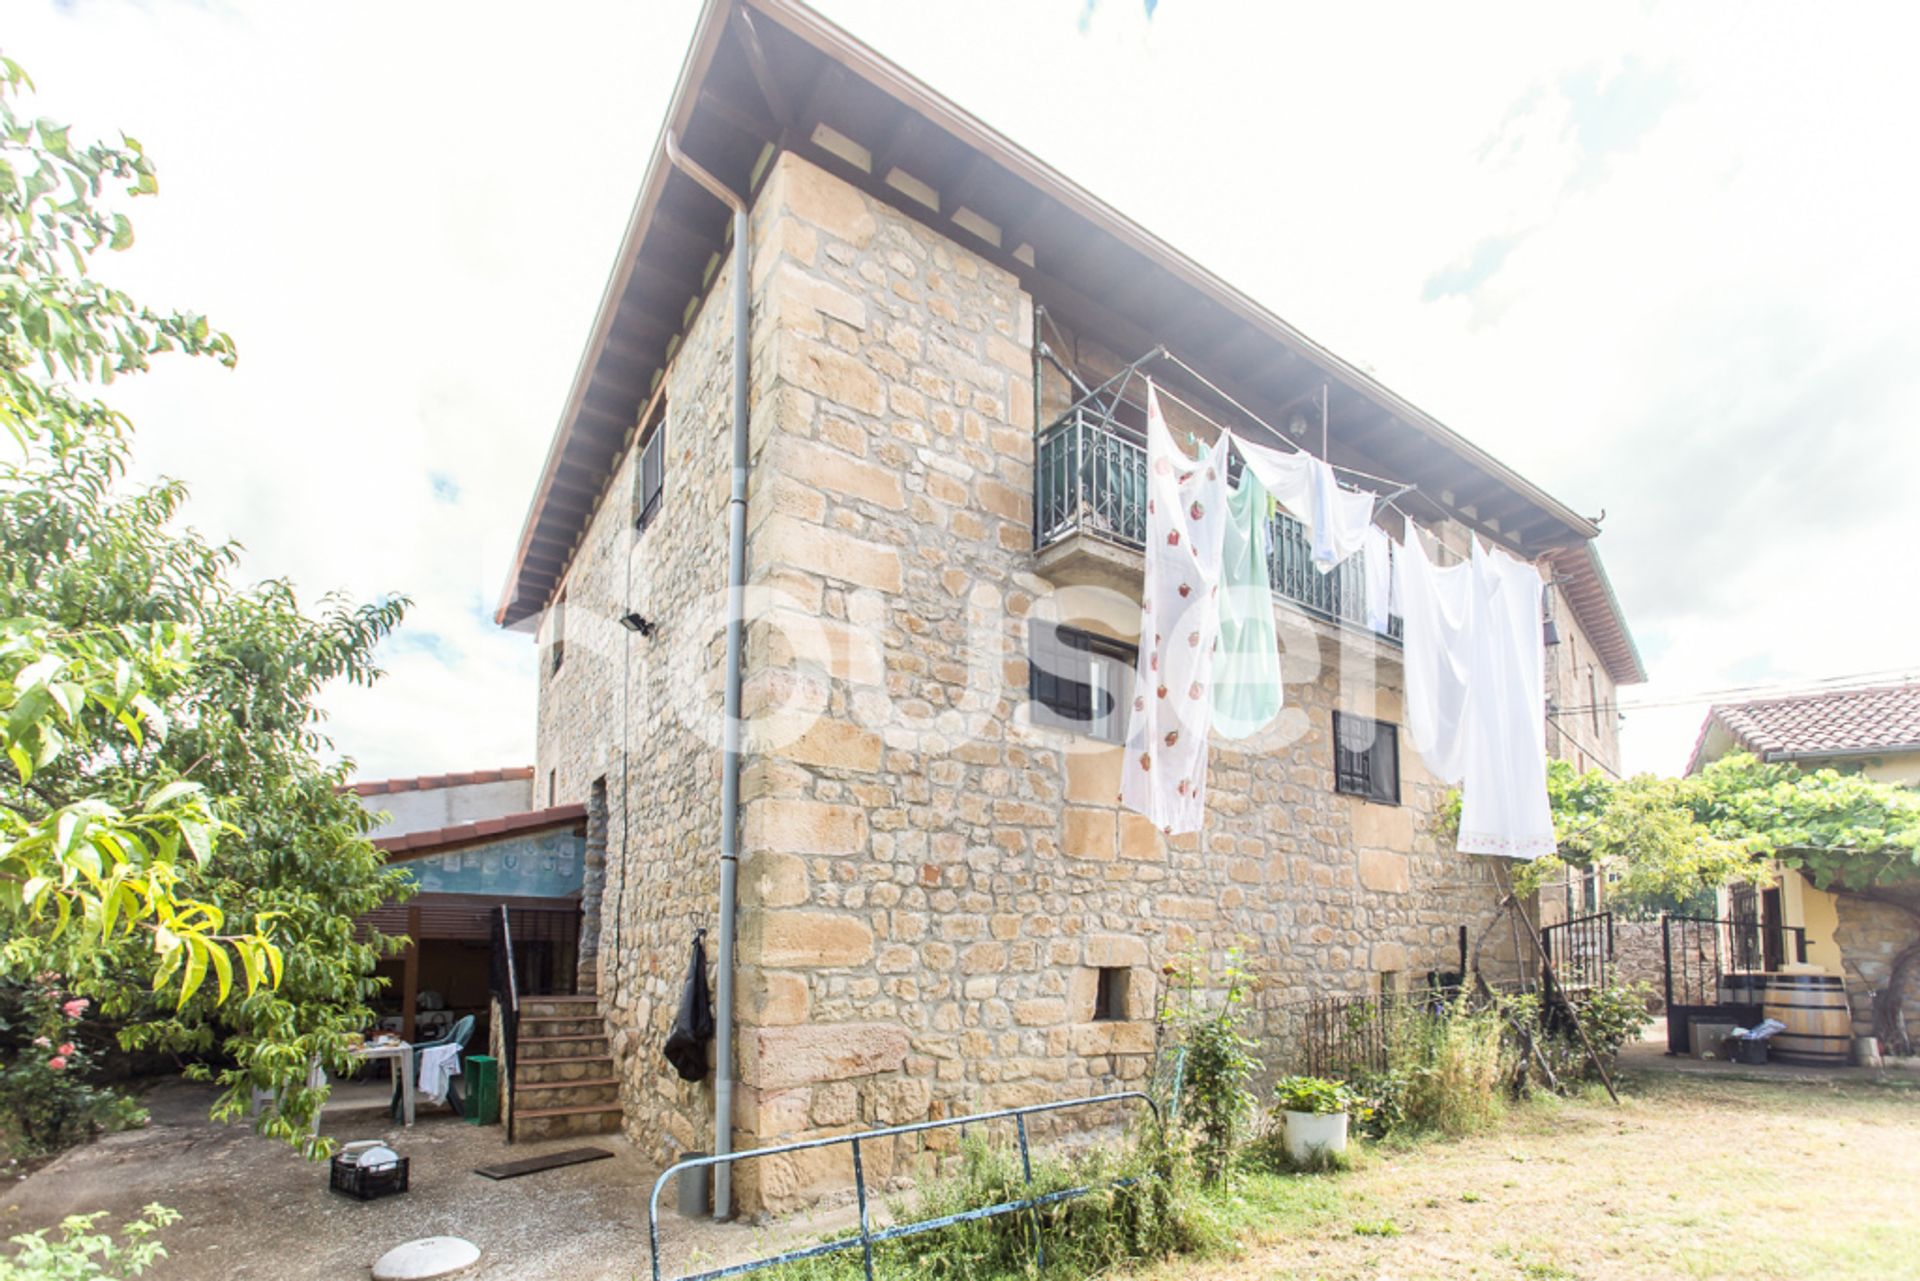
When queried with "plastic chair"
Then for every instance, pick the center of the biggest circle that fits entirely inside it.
(459, 1035)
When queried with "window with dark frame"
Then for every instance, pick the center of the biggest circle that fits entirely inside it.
(1110, 995)
(1366, 758)
(650, 480)
(559, 634)
(1079, 681)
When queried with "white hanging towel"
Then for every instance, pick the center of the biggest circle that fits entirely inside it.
(439, 1064)
(1504, 807)
(1164, 772)
(1337, 519)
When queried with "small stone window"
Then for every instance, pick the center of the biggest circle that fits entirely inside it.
(1366, 758)
(1079, 681)
(651, 476)
(1110, 994)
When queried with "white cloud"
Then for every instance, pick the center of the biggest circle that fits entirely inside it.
(1658, 258)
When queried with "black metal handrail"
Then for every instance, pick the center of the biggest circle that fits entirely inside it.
(505, 985)
(1699, 951)
(1091, 479)
(868, 1237)
(1578, 954)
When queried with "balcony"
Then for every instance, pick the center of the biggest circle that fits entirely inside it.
(1090, 510)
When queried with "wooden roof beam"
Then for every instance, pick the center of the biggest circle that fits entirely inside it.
(769, 85)
(744, 122)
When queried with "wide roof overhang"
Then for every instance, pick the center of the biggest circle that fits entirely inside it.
(763, 76)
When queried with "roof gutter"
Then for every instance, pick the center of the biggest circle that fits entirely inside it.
(1842, 753)
(730, 724)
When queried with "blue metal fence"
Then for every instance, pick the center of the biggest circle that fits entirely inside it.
(868, 1236)
(1091, 479)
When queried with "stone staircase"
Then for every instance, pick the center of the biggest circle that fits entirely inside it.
(563, 1079)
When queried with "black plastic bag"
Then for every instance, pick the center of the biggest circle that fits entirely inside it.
(693, 1025)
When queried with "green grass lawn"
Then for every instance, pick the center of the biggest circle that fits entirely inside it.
(1688, 1178)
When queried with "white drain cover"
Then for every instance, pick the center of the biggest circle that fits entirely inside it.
(425, 1259)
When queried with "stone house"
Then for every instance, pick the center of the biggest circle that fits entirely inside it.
(1873, 731)
(941, 906)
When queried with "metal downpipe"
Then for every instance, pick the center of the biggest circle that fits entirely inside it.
(730, 726)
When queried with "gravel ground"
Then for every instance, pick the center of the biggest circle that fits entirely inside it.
(252, 1209)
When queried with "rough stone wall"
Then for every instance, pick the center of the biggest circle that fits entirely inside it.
(1870, 935)
(593, 884)
(1639, 956)
(931, 883)
(640, 714)
(1585, 728)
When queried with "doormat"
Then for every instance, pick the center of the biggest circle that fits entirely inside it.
(551, 1161)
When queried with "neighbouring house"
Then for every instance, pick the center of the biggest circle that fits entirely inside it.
(1873, 731)
(941, 906)
(475, 845)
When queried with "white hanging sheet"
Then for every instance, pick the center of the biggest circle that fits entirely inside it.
(1476, 693)
(1379, 549)
(1503, 807)
(1164, 772)
(1436, 617)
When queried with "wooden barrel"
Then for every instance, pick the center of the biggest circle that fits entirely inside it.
(1819, 1029)
(1743, 988)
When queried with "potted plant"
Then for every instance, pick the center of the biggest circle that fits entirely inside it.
(1316, 1111)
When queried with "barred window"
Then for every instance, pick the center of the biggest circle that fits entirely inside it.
(1079, 681)
(1366, 758)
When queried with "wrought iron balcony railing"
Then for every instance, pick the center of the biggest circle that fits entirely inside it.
(1090, 479)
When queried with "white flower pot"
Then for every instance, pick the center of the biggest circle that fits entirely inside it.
(1309, 1135)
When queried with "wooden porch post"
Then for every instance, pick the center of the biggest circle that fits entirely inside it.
(410, 983)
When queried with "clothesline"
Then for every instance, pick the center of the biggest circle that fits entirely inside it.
(1124, 377)
(1474, 667)
(1161, 351)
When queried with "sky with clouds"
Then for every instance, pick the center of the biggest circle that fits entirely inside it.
(1659, 257)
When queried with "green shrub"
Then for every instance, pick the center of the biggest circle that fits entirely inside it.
(1611, 1016)
(1158, 1213)
(1453, 1060)
(1614, 1015)
(1313, 1094)
(81, 1252)
(1380, 1105)
(1216, 1102)
(47, 1101)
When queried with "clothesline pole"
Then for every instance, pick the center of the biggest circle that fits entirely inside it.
(1553, 984)
(1123, 376)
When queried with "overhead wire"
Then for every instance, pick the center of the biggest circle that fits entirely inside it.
(1777, 689)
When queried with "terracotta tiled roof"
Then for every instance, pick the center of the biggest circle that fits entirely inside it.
(432, 782)
(434, 840)
(1841, 722)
